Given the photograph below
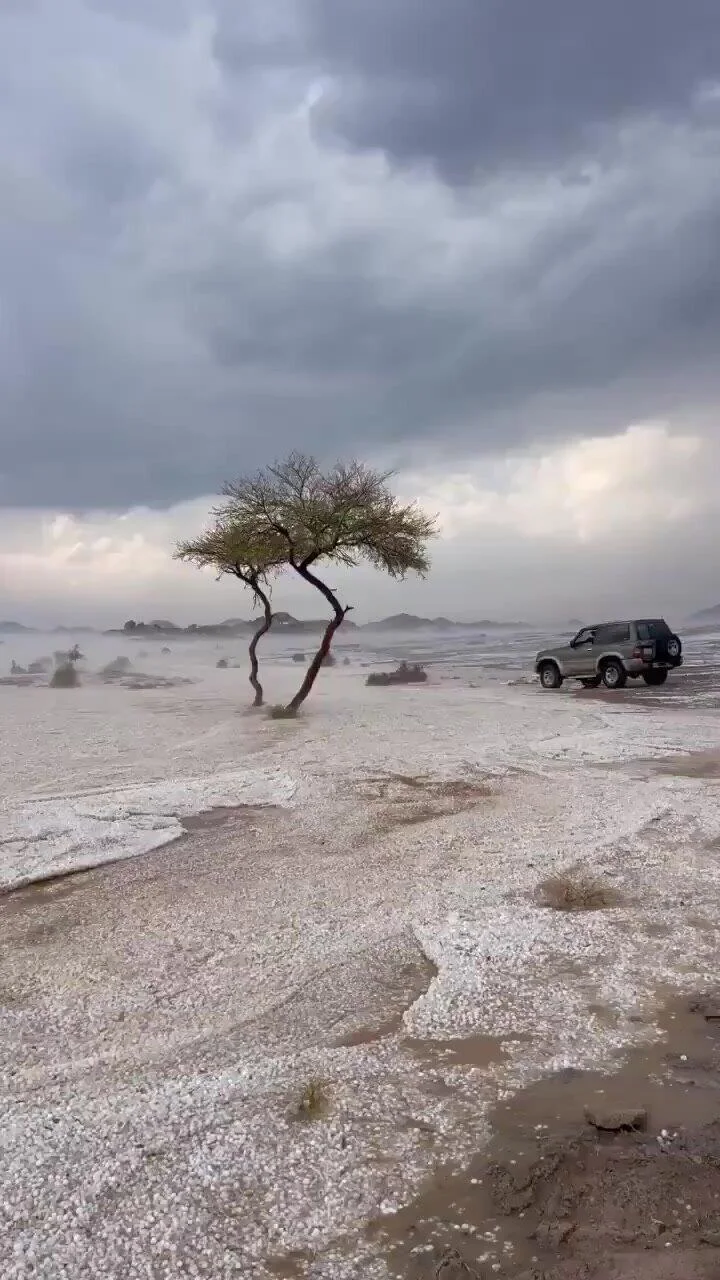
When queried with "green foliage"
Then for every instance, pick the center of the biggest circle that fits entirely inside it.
(230, 546)
(295, 513)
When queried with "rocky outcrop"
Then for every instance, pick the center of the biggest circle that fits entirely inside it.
(118, 667)
(406, 673)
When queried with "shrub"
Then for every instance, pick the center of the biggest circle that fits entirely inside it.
(40, 666)
(64, 677)
(574, 891)
(404, 674)
(314, 1101)
(117, 667)
(221, 662)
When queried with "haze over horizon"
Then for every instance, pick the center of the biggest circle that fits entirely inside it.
(440, 238)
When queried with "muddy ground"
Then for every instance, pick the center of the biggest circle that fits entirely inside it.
(694, 684)
(588, 1176)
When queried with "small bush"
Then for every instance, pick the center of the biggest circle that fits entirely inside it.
(282, 713)
(40, 666)
(117, 667)
(298, 657)
(221, 662)
(64, 677)
(314, 1101)
(573, 891)
(403, 674)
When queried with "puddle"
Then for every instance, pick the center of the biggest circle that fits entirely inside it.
(396, 991)
(472, 1051)
(292, 1267)
(704, 765)
(556, 1198)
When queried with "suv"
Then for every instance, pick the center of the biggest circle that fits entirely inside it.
(610, 652)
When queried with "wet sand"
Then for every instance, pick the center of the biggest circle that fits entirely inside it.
(566, 1192)
(699, 685)
(163, 1016)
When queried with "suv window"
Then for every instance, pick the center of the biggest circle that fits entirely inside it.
(615, 633)
(652, 629)
(585, 636)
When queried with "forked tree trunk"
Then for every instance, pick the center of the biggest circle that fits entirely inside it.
(252, 580)
(252, 648)
(340, 614)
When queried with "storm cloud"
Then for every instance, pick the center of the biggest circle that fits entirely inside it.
(397, 230)
(477, 84)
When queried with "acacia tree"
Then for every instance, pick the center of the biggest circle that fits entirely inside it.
(296, 511)
(232, 549)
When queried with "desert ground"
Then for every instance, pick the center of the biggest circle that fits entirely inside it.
(278, 998)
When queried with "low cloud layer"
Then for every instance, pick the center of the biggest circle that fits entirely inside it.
(593, 526)
(426, 235)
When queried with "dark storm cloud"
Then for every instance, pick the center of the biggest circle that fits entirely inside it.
(190, 283)
(468, 83)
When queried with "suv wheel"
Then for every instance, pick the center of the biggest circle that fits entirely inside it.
(591, 683)
(655, 676)
(550, 677)
(674, 649)
(614, 675)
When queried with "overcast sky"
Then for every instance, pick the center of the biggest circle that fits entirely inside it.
(477, 241)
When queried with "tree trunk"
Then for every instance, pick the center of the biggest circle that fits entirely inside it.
(340, 614)
(252, 580)
(252, 650)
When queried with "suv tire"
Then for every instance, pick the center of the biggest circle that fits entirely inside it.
(550, 677)
(655, 676)
(591, 682)
(613, 674)
(673, 648)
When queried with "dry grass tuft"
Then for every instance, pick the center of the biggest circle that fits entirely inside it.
(575, 891)
(282, 713)
(406, 800)
(314, 1101)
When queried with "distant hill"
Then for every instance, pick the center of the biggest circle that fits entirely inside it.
(406, 622)
(712, 614)
(230, 627)
(410, 622)
(282, 622)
